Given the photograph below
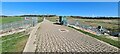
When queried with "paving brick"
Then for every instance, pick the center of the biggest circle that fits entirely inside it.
(51, 39)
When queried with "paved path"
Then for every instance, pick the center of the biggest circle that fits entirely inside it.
(56, 38)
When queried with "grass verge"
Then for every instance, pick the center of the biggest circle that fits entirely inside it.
(107, 40)
(13, 44)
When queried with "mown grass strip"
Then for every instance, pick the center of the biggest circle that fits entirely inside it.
(14, 45)
(15, 42)
(107, 40)
(12, 36)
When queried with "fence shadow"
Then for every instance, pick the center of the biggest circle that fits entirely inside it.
(57, 23)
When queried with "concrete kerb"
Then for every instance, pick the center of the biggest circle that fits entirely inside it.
(95, 38)
(9, 33)
(30, 45)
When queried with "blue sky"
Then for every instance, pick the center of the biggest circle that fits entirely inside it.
(61, 8)
(60, 0)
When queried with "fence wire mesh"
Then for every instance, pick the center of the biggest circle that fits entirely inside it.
(24, 24)
(83, 26)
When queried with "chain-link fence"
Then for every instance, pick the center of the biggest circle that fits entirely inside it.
(24, 24)
(84, 26)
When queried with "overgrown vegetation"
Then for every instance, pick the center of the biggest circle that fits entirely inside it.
(109, 24)
(107, 40)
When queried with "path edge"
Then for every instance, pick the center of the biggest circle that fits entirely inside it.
(30, 45)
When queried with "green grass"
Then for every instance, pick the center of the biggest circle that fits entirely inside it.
(14, 19)
(10, 19)
(102, 38)
(40, 19)
(53, 19)
(0, 46)
(14, 44)
(0, 20)
(12, 36)
(110, 24)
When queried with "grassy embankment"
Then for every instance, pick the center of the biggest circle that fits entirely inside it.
(14, 42)
(102, 38)
(110, 24)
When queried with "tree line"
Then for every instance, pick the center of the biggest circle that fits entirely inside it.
(80, 17)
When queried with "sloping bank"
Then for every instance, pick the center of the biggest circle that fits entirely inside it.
(14, 42)
(107, 40)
